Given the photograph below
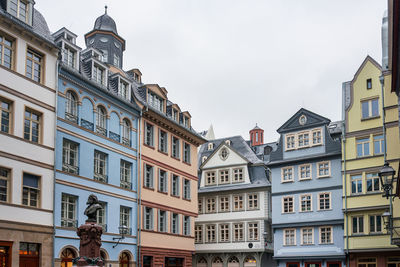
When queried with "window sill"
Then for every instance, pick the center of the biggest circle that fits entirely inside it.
(162, 192)
(325, 244)
(162, 152)
(176, 196)
(325, 176)
(175, 158)
(370, 118)
(289, 181)
(187, 199)
(189, 164)
(305, 211)
(284, 213)
(324, 210)
(149, 146)
(305, 179)
(148, 188)
(307, 245)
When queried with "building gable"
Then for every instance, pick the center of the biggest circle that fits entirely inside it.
(217, 160)
(303, 119)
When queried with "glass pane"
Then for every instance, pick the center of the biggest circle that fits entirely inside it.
(375, 107)
(365, 109)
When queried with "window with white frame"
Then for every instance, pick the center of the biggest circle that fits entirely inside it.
(102, 216)
(162, 221)
(356, 184)
(101, 120)
(116, 60)
(305, 172)
(123, 89)
(148, 218)
(237, 175)
(19, 9)
(375, 223)
(379, 144)
(324, 169)
(126, 174)
(252, 201)
(71, 107)
(163, 141)
(210, 178)
(175, 223)
(210, 204)
(303, 139)
(125, 217)
(325, 235)
(369, 108)
(30, 190)
(224, 203)
(290, 142)
(5, 113)
(70, 157)
(186, 188)
(238, 232)
(175, 115)
(362, 147)
(98, 74)
(210, 146)
(149, 135)
(7, 55)
(155, 101)
(32, 125)
(287, 204)
(148, 176)
(186, 225)
(34, 65)
(126, 132)
(317, 136)
(100, 166)
(324, 201)
(287, 174)
(358, 224)
(68, 210)
(305, 203)
(175, 147)
(210, 233)
(224, 232)
(224, 176)
(186, 152)
(175, 185)
(4, 184)
(200, 205)
(238, 203)
(198, 234)
(372, 182)
(307, 236)
(252, 228)
(69, 56)
(289, 237)
(162, 181)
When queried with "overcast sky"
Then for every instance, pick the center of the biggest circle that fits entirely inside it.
(235, 63)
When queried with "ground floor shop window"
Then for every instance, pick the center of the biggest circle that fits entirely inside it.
(233, 262)
(312, 264)
(66, 257)
(250, 262)
(29, 254)
(5, 254)
(147, 261)
(366, 262)
(124, 260)
(293, 264)
(202, 262)
(393, 262)
(334, 264)
(173, 262)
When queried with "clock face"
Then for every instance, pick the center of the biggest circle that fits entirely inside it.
(302, 120)
(91, 41)
(103, 39)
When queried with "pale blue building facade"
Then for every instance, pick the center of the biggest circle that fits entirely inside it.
(307, 218)
(96, 144)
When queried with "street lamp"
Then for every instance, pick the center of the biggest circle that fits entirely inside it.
(123, 230)
(386, 175)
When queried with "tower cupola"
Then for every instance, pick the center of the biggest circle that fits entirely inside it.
(256, 136)
(105, 38)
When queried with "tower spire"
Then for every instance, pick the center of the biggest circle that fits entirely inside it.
(105, 9)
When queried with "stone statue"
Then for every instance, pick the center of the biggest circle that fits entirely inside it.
(92, 208)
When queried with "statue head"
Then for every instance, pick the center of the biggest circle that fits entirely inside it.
(92, 199)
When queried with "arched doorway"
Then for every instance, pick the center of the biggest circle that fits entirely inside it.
(217, 262)
(104, 255)
(66, 257)
(233, 262)
(250, 262)
(124, 259)
(202, 262)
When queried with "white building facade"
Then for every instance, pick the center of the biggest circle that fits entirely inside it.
(234, 223)
(28, 67)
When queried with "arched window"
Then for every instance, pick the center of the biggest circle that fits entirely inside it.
(71, 107)
(126, 132)
(103, 255)
(124, 260)
(101, 121)
(250, 261)
(66, 257)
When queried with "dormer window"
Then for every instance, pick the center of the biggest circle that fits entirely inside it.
(19, 9)
(228, 142)
(123, 89)
(204, 158)
(155, 101)
(104, 57)
(116, 60)
(98, 74)
(210, 146)
(175, 115)
(69, 56)
(186, 121)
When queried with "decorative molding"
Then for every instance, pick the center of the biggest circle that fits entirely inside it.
(26, 160)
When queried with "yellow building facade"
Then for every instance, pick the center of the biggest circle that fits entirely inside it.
(363, 155)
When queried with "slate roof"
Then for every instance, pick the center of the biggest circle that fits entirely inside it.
(264, 151)
(39, 25)
(105, 23)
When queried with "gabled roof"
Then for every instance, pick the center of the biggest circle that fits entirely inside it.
(293, 123)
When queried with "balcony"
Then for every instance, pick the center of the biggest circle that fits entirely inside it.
(126, 141)
(126, 184)
(87, 124)
(69, 222)
(101, 177)
(70, 168)
(101, 130)
(71, 117)
(114, 136)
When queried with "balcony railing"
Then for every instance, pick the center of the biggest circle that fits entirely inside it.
(101, 130)
(126, 141)
(70, 168)
(69, 222)
(114, 136)
(126, 184)
(101, 177)
(71, 117)
(87, 124)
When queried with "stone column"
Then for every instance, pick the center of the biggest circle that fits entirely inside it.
(90, 243)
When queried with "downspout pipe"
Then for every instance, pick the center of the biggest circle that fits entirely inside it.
(344, 167)
(139, 197)
(382, 80)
